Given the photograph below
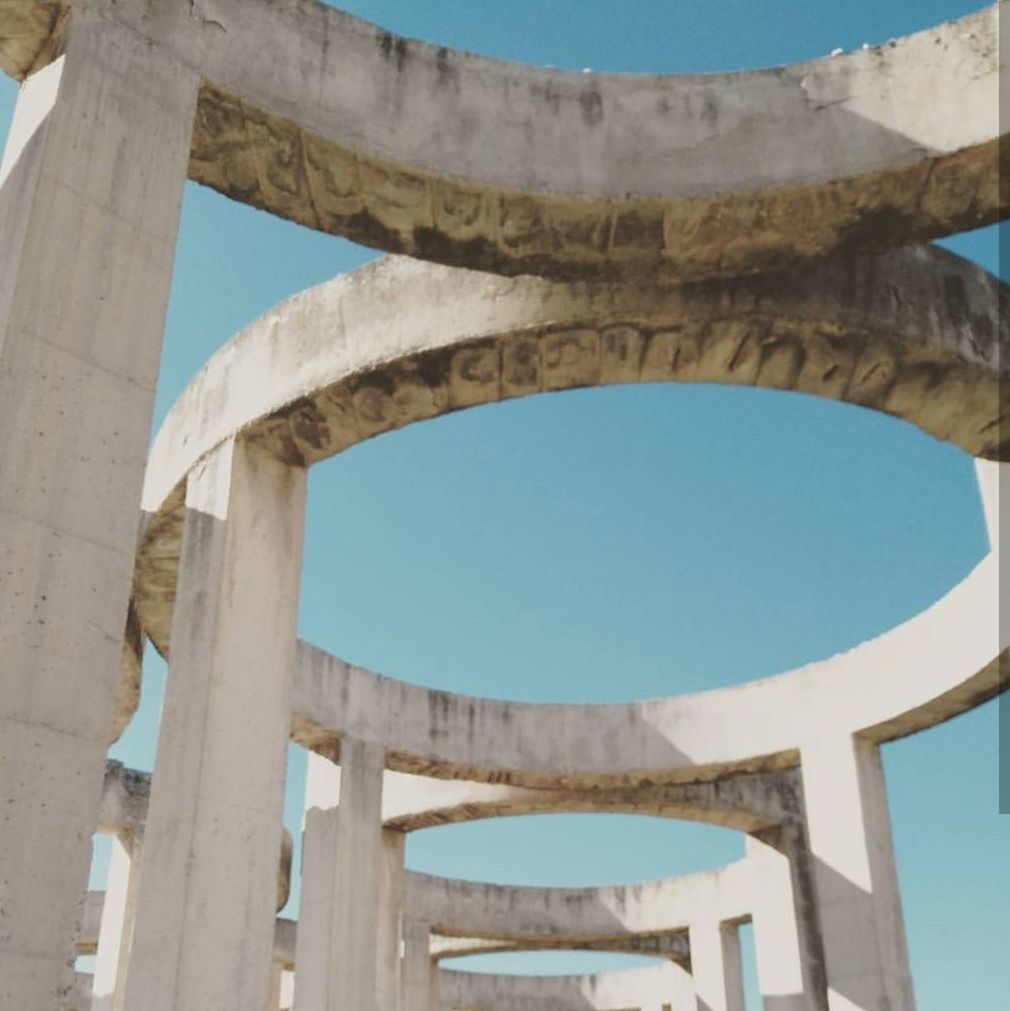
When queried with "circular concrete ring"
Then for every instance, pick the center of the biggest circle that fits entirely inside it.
(914, 333)
(413, 148)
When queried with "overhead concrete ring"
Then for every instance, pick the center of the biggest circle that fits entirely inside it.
(418, 149)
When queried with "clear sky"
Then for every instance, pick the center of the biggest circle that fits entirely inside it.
(635, 541)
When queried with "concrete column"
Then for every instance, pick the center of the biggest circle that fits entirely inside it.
(204, 932)
(849, 830)
(715, 966)
(314, 940)
(787, 948)
(417, 971)
(116, 928)
(683, 996)
(337, 961)
(390, 920)
(91, 184)
(276, 981)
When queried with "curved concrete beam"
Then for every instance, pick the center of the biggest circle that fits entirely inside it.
(568, 916)
(448, 156)
(674, 947)
(915, 333)
(745, 802)
(646, 988)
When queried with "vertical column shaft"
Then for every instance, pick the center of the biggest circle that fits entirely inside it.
(715, 966)
(849, 830)
(682, 997)
(116, 928)
(417, 972)
(314, 941)
(204, 932)
(787, 948)
(90, 190)
(354, 965)
(390, 920)
(340, 960)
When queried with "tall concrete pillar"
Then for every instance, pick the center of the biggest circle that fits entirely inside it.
(116, 928)
(338, 960)
(418, 975)
(204, 931)
(90, 190)
(849, 830)
(787, 949)
(716, 966)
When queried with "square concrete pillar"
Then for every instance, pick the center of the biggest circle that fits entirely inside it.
(682, 994)
(849, 830)
(342, 947)
(390, 920)
(787, 945)
(715, 966)
(91, 185)
(418, 977)
(205, 923)
(116, 928)
(314, 940)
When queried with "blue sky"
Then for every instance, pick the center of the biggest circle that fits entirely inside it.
(635, 541)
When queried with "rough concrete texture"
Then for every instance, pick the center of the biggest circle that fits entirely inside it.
(205, 920)
(417, 149)
(615, 187)
(85, 259)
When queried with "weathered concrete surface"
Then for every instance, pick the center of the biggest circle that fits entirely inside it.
(418, 974)
(787, 939)
(444, 155)
(383, 347)
(647, 989)
(204, 926)
(577, 917)
(118, 911)
(716, 967)
(859, 901)
(87, 252)
(342, 960)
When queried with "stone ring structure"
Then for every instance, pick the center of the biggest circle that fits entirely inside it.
(419, 149)
(916, 333)
(699, 228)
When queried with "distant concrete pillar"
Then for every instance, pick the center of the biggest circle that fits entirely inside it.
(338, 962)
(682, 996)
(314, 941)
(849, 829)
(276, 983)
(789, 960)
(418, 977)
(91, 185)
(116, 928)
(716, 966)
(204, 932)
(390, 920)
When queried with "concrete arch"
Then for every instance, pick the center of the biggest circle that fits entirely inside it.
(443, 155)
